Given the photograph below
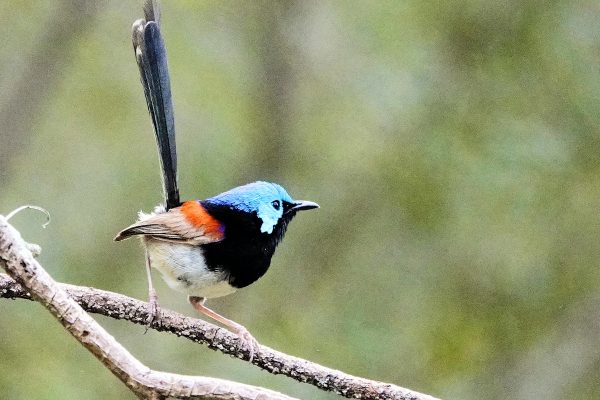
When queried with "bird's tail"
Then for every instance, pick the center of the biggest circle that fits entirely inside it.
(151, 57)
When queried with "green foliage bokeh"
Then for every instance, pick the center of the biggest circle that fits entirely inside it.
(453, 147)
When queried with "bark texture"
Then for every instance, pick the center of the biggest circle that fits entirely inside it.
(17, 260)
(64, 301)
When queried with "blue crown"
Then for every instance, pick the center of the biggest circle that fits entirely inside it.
(256, 197)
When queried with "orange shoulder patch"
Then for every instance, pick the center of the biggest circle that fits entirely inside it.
(197, 215)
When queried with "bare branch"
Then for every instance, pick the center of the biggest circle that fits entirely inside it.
(18, 261)
(118, 306)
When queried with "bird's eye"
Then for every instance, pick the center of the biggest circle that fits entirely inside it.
(276, 204)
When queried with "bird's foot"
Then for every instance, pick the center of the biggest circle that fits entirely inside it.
(246, 340)
(153, 309)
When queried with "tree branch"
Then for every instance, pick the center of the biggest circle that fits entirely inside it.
(17, 260)
(118, 306)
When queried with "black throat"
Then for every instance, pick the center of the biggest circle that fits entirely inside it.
(245, 252)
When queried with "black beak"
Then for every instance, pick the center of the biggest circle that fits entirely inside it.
(300, 205)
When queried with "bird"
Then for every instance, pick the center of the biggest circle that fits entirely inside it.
(203, 248)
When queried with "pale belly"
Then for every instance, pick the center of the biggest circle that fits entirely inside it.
(183, 268)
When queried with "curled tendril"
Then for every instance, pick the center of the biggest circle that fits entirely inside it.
(40, 209)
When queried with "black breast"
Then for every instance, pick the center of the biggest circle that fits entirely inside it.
(245, 253)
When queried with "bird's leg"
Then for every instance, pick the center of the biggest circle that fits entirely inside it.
(245, 337)
(153, 310)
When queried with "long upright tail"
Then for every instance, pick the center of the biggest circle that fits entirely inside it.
(151, 57)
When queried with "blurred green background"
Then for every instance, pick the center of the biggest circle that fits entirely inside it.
(453, 147)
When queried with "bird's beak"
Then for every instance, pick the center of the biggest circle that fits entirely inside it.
(300, 205)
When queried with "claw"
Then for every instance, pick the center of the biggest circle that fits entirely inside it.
(247, 340)
(153, 309)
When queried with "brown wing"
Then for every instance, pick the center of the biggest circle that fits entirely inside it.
(190, 223)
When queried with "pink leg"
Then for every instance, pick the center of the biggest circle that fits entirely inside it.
(245, 337)
(154, 310)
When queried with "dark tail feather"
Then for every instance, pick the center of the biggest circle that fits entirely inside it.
(151, 56)
(152, 11)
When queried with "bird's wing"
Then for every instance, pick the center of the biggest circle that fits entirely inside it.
(190, 223)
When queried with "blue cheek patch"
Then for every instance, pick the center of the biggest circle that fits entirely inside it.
(256, 197)
(269, 216)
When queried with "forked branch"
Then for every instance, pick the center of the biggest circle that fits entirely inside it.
(17, 260)
(13, 252)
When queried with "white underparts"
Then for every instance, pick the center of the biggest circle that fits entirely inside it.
(183, 267)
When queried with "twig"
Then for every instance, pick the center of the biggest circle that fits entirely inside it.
(118, 306)
(18, 261)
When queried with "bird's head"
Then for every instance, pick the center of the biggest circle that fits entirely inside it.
(269, 203)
